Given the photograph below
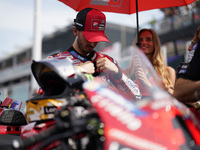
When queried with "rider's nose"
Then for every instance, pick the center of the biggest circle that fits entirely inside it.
(93, 44)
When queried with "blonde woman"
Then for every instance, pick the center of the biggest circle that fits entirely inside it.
(150, 45)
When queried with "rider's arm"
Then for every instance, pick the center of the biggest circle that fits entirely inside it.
(188, 81)
(121, 80)
(185, 90)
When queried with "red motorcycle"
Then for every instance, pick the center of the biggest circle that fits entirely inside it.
(95, 115)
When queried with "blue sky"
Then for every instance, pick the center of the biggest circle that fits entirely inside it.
(17, 18)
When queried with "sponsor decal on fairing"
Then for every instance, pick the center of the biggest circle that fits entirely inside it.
(115, 97)
(50, 109)
(117, 146)
(123, 116)
(161, 104)
(120, 100)
(131, 85)
(134, 141)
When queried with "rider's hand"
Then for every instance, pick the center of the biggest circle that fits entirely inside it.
(106, 64)
(86, 67)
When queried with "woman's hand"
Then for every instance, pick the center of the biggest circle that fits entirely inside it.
(139, 74)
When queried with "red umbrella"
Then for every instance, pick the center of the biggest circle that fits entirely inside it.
(125, 6)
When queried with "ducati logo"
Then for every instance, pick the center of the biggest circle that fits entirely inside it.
(95, 24)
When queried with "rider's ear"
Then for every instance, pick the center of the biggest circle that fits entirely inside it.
(75, 31)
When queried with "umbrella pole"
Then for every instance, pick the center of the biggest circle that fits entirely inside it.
(137, 23)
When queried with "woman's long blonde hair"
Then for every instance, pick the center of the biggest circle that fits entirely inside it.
(158, 60)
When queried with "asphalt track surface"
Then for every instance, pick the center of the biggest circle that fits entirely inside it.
(6, 141)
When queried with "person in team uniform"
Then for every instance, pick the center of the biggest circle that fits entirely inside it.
(187, 87)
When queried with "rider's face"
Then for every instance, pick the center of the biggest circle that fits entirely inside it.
(84, 45)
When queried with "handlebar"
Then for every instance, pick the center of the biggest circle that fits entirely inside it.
(23, 143)
(67, 124)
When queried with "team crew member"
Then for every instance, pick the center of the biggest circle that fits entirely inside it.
(189, 75)
(187, 87)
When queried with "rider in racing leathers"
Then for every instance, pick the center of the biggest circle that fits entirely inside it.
(89, 29)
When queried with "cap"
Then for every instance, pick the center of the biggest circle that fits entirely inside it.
(92, 23)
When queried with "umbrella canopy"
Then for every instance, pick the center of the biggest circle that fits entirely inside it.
(125, 6)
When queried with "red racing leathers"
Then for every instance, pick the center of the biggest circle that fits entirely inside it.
(120, 80)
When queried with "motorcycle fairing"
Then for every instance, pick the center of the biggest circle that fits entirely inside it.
(57, 76)
(43, 109)
(63, 67)
(6, 129)
(11, 118)
(122, 124)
